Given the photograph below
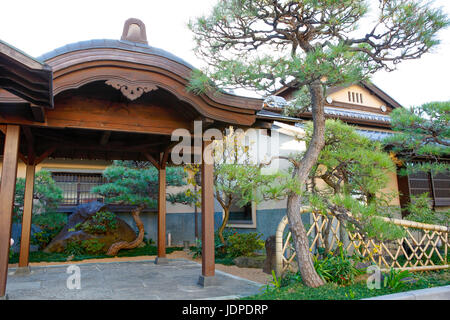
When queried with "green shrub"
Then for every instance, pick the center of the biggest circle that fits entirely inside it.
(395, 279)
(101, 222)
(51, 224)
(290, 278)
(74, 247)
(46, 192)
(244, 244)
(220, 250)
(93, 246)
(339, 268)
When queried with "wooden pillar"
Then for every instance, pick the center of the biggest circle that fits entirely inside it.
(162, 215)
(26, 218)
(7, 189)
(208, 265)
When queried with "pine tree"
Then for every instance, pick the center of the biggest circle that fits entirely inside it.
(309, 45)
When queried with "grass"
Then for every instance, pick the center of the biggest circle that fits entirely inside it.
(359, 290)
(40, 256)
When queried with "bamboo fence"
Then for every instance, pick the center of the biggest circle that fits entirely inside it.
(424, 248)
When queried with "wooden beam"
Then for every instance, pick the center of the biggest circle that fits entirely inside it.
(22, 157)
(162, 214)
(208, 266)
(164, 158)
(38, 113)
(152, 160)
(7, 189)
(30, 145)
(27, 216)
(105, 138)
(44, 156)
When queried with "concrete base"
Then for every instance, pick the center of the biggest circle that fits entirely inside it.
(5, 297)
(437, 293)
(159, 260)
(22, 271)
(207, 281)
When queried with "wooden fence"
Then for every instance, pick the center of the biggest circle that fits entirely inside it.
(425, 246)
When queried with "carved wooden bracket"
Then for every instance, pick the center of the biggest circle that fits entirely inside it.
(130, 90)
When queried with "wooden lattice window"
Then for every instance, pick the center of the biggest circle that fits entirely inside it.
(77, 187)
(436, 185)
(441, 189)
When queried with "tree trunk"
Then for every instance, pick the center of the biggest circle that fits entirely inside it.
(301, 243)
(226, 216)
(326, 235)
(116, 247)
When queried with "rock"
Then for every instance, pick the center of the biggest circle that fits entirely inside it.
(16, 233)
(363, 265)
(83, 212)
(270, 262)
(249, 262)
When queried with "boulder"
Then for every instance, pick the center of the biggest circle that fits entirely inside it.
(16, 233)
(249, 262)
(83, 212)
(270, 262)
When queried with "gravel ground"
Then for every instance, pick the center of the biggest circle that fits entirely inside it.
(253, 274)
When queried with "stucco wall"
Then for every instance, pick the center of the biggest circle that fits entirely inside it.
(369, 100)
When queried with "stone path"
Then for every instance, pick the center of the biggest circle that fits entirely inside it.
(127, 281)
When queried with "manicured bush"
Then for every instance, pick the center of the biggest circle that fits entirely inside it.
(244, 244)
(93, 246)
(74, 247)
(46, 192)
(100, 222)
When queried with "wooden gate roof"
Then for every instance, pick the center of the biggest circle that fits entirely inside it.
(120, 99)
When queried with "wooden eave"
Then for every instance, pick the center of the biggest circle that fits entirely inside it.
(25, 77)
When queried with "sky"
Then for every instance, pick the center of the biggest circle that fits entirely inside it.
(37, 27)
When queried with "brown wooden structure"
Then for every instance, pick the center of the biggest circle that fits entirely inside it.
(116, 100)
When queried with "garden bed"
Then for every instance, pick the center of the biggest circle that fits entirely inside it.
(356, 291)
(40, 256)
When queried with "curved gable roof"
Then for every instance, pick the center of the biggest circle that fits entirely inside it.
(112, 44)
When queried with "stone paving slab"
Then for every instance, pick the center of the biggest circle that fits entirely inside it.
(134, 280)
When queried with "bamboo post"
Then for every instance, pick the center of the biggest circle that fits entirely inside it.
(279, 246)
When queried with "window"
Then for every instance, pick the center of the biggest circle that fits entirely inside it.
(436, 185)
(77, 187)
(244, 217)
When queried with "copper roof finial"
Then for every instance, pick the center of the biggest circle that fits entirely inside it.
(134, 31)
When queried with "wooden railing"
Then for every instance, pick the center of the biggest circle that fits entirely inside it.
(425, 246)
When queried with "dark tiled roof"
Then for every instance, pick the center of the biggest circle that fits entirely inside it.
(357, 114)
(374, 135)
(112, 44)
(371, 134)
(265, 114)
